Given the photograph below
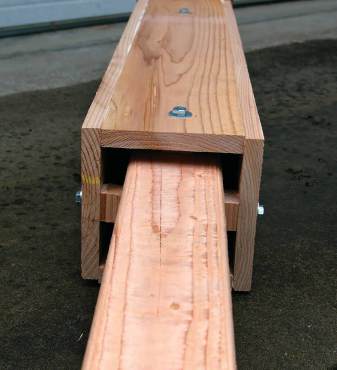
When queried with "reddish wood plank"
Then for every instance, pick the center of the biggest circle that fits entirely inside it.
(165, 298)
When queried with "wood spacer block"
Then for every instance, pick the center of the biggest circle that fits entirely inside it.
(178, 81)
(111, 194)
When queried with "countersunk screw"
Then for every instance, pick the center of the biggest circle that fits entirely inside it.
(260, 209)
(180, 112)
(78, 197)
(184, 11)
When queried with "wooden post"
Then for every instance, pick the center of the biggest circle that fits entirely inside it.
(249, 198)
(91, 188)
(165, 298)
(251, 164)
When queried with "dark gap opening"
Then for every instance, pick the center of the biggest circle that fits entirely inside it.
(231, 170)
(231, 236)
(105, 238)
(114, 164)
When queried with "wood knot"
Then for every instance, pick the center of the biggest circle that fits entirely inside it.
(175, 306)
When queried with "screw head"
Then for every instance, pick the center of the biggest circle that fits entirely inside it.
(184, 11)
(78, 197)
(180, 112)
(260, 209)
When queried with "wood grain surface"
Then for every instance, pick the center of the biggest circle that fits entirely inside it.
(101, 102)
(165, 298)
(178, 59)
(246, 226)
(243, 86)
(168, 58)
(90, 210)
(110, 198)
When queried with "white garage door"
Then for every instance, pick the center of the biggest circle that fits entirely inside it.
(16, 15)
(20, 13)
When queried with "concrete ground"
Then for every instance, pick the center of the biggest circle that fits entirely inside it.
(64, 58)
(289, 320)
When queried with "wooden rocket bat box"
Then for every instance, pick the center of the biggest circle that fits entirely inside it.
(178, 81)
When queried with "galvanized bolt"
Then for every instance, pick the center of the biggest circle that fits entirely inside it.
(180, 112)
(184, 11)
(78, 197)
(260, 209)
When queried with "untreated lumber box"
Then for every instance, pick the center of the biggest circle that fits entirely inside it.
(178, 81)
(165, 298)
